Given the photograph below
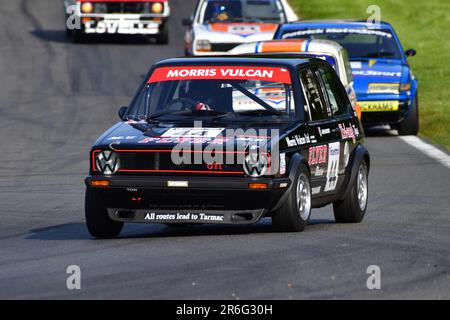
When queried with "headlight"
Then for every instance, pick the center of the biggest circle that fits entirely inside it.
(384, 88)
(256, 163)
(157, 7)
(107, 162)
(87, 7)
(405, 87)
(203, 45)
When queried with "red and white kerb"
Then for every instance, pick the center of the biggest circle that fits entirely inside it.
(270, 74)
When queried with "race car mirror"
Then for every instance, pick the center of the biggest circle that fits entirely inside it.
(187, 22)
(410, 52)
(122, 111)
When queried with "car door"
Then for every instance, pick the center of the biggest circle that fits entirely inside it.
(319, 125)
(343, 127)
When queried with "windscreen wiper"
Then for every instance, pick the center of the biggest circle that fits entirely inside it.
(156, 115)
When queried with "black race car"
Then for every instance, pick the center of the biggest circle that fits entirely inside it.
(230, 140)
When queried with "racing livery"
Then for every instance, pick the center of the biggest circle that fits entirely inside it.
(385, 86)
(145, 17)
(217, 26)
(329, 51)
(230, 140)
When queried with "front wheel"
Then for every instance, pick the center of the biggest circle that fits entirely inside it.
(294, 214)
(163, 36)
(98, 222)
(78, 36)
(410, 125)
(353, 208)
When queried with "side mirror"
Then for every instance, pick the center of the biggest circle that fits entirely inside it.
(122, 112)
(410, 52)
(187, 22)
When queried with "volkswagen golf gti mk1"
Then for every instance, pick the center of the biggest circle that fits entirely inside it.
(230, 140)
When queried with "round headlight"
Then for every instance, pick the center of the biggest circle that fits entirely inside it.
(256, 163)
(87, 7)
(107, 162)
(157, 7)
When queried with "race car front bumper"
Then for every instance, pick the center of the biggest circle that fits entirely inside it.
(175, 199)
(387, 117)
(122, 24)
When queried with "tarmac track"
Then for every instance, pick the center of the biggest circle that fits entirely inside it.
(57, 97)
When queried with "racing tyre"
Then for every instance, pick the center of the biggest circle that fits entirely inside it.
(78, 36)
(353, 208)
(163, 36)
(97, 220)
(294, 214)
(410, 126)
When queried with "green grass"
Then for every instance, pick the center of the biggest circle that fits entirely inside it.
(424, 26)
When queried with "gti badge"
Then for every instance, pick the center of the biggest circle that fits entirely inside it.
(107, 162)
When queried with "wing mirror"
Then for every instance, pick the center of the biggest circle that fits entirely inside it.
(410, 52)
(187, 22)
(122, 112)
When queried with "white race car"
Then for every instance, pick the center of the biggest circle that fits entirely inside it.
(218, 26)
(145, 17)
(330, 51)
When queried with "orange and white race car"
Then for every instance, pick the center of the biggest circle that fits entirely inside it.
(218, 26)
(327, 50)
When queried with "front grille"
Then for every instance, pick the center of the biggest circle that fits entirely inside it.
(122, 7)
(149, 162)
(223, 47)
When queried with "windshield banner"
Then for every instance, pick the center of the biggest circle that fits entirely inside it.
(280, 75)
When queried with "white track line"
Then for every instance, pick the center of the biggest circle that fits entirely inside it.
(428, 149)
(290, 13)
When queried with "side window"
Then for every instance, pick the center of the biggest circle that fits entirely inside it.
(336, 95)
(315, 108)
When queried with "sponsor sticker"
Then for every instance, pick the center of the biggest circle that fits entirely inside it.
(319, 171)
(318, 155)
(356, 64)
(379, 106)
(121, 26)
(374, 73)
(316, 190)
(178, 216)
(280, 75)
(362, 31)
(297, 140)
(282, 163)
(334, 152)
(347, 132)
(178, 184)
(193, 132)
(384, 88)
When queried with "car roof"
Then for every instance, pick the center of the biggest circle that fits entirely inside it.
(334, 23)
(328, 44)
(285, 59)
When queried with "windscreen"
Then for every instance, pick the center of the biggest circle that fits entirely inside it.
(193, 91)
(359, 42)
(270, 11)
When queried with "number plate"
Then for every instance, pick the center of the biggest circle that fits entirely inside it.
(379, 106)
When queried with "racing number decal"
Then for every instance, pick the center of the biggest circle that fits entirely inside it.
(334, 150)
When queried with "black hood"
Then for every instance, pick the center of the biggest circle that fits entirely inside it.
(141, 134)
